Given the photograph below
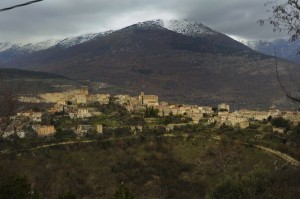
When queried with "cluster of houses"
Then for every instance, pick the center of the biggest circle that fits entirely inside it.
(72, 103)
(75, 102)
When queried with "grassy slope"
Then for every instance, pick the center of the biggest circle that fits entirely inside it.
(173, 167)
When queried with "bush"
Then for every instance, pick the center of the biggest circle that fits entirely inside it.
(16, 187)
(134, 121)
(61, 134)
(280, 122)
(253, 185)
(231, 189)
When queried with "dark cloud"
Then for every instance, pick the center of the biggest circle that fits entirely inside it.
(61, 18)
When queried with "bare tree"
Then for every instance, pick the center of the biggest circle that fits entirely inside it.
(12, 110)
(284, 16)
(290, 95)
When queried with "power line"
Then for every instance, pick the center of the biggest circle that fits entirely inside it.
(19, 5)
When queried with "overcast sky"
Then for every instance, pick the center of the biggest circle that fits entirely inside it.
(55, 19)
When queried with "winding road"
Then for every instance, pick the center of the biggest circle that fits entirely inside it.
(283, 156)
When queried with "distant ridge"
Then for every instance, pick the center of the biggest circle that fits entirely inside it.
(284, 48)
(12, 73)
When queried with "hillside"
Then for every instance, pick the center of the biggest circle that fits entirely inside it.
(170, 167)
(32, 82)
(186, 63)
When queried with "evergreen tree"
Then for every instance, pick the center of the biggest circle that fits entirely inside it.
(123, 193)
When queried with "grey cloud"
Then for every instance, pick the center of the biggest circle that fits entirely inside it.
(61, 18)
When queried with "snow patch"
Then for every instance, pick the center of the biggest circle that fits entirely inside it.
(188, 28)
(72, 41)
(21, 48)
(5, 46)
(184, 27)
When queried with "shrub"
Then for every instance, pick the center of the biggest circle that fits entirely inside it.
(280, 122)
(230, 189)
(123, 193)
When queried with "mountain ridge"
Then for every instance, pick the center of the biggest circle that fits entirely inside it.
(282, 47)
(184, 27)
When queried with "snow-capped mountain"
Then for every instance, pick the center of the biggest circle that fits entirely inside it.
(189, 28)
(20, 48)
(184, 27)
(72, 41)
(283, 48)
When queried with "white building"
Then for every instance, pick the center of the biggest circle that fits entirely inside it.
(83, 113)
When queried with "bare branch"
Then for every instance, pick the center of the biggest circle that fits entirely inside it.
(287, 93)
(19, 5)
(285, 16)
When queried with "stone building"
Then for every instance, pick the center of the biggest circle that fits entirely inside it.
(44, 130)
(100, 98)
(80, 99)
(148, 100)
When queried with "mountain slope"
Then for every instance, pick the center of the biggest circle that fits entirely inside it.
(203, 68)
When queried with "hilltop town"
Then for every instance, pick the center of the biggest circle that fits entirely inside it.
(80, 112)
